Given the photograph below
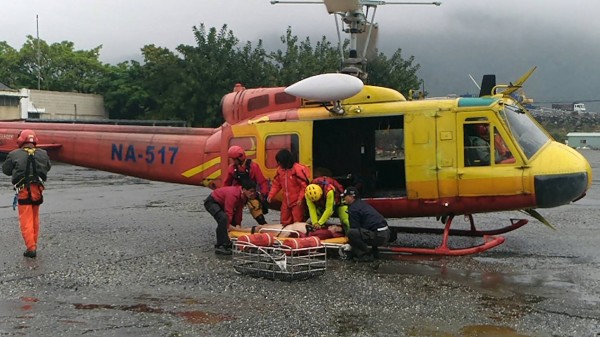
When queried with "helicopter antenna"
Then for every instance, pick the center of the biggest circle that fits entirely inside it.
(476, 84)
(354, 15)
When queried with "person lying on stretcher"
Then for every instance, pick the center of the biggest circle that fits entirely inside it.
(302, 229)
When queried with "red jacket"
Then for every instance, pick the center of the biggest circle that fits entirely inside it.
(232, 199)
(292, 182)
(255, 174)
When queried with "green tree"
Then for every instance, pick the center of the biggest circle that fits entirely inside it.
(395, 72)
(162, 78)
(300, 60)
(62, 68)
(254, 68)
(9, 65)
(125, 96)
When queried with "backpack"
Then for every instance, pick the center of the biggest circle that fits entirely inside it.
(304, 173)
(31, 176)
(325, 181)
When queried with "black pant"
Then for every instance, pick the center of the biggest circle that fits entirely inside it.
(360, 240)
(218, 213)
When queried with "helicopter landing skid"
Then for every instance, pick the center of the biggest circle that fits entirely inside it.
(489, 240)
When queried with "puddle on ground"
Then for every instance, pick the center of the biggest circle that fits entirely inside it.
(466, 331)
(489, 331)
(488, 280)
(194, 317)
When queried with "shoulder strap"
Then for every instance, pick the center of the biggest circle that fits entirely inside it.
(303, 170)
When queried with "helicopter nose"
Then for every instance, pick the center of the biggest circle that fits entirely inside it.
(567, 177)
(559, 189)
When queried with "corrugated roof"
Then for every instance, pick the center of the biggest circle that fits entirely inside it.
(583, 134)
(4, 87)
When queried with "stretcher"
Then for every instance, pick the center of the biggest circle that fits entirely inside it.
(340, 245)
(278, 258)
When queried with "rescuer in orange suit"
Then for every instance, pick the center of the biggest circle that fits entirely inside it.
(242, 168)
(291, 179)
(28, 167)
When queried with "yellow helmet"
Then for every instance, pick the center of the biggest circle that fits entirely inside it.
(313, 192)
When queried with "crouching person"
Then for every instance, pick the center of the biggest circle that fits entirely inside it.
(226, 205)
(367, 227)
(323, 200)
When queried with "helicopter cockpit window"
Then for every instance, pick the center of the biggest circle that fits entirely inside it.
(277, 142)
(389, 144)
(529, 136)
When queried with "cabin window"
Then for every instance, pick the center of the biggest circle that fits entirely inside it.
(258, 102)
(502, 154)
(477, 144)
(275, 143)
(284, 98)
(246, 143)
(389, 144)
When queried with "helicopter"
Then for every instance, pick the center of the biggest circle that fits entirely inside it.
(411, 158)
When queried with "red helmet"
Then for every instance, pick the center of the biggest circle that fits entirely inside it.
(236, 152)
(26, 136)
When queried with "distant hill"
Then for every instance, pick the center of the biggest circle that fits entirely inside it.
(561, 123)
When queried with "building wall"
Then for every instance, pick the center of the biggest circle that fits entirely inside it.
(9, 104)
(67, 105)
(577, 140)
(9, 113)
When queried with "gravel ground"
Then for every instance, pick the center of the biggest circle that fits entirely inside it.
(121, 256)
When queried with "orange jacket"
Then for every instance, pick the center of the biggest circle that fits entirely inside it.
(292, 183)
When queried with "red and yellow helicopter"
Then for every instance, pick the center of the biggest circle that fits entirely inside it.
(413, 158)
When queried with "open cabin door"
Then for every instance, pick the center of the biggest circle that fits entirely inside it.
(364, 152)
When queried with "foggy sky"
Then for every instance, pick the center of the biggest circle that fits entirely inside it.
(459, 38)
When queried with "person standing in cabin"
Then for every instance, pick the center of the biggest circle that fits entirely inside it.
(291, 179)
(28, 166)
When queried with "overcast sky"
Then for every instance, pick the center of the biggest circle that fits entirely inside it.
(459, 38)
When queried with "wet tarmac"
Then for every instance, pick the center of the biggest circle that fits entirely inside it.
(121, 256)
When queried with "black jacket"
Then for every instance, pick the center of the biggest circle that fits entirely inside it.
(15, 164)
(363, 215)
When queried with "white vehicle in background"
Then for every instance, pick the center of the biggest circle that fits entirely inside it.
(576, 107)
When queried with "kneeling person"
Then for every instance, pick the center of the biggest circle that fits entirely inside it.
(226, 204)
(367, 226)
